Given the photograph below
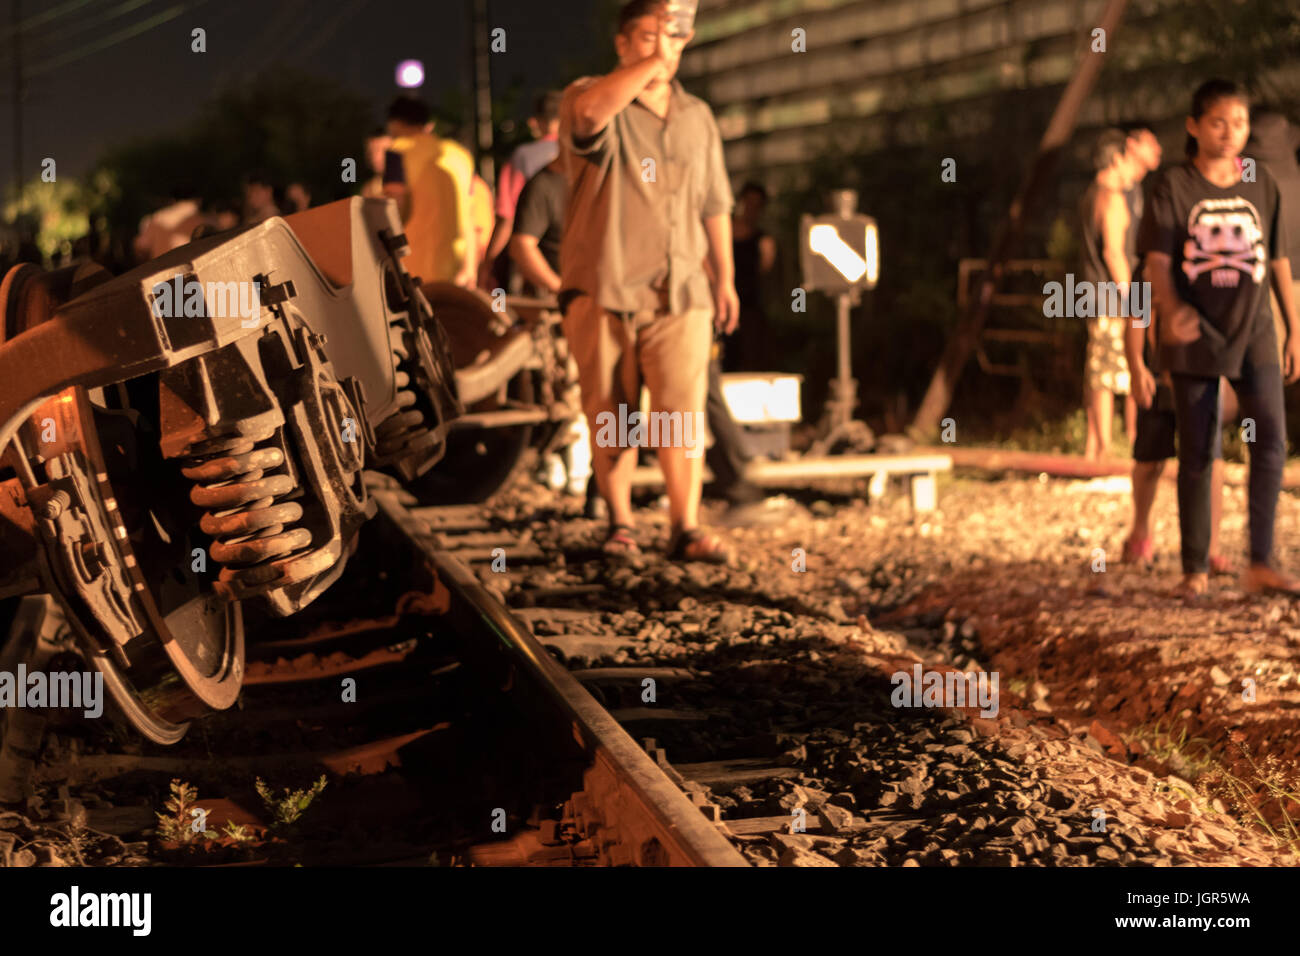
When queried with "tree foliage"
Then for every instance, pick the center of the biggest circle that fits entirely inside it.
(293, 126)
(1255, 42)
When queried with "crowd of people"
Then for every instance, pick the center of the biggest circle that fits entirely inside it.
(648, 272)
(1214, 238)
(186, 217)
(621, 209)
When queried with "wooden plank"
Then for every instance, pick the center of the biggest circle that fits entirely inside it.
(758, 826)
(586, 645)
(597, 675)
(776, 473)
(366, 758)
(121, 821)
(531, 614)
(453, 518)
(1076, 466)
(524, 553)
(633, 715)
(457, 541)
(564, 591)
(731, 773)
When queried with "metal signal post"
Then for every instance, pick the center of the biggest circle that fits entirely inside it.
(840, 255)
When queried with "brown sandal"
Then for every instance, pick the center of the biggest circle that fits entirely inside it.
(619, 542)
(1193, 589)
(695, 544)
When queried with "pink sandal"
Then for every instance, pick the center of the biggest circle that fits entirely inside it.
(1138, 551)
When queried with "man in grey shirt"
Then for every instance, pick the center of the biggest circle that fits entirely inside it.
(649, 201)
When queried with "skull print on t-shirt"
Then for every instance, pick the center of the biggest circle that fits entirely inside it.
(1226, 241)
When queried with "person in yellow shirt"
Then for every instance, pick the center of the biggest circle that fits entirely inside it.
(435, 199)
(484, 217)
(377, 146)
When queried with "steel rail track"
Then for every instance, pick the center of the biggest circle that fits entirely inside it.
(642, 816)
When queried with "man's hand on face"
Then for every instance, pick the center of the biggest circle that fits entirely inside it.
(726, 309)
(669, 48)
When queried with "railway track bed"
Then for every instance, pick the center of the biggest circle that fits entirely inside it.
(655, 714)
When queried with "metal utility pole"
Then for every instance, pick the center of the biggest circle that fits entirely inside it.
(18, 101)
(939, 395)
(483, 91)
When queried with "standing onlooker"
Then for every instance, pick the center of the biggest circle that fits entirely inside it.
(539, 228)
(524, 163)
(649, 199)
(480, 215)
(259, 198)
(434, 197)
(1157, 428)
(535, 248)
(1273, 143)
(1104, 216)
(297, 198)
(755, 253)
(167, 228)
(1212, 241)
(378, 143)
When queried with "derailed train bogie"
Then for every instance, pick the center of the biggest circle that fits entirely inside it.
(167, 459)
(516, 381)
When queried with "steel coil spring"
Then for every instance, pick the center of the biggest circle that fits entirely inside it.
(249, 529)
(404, 430)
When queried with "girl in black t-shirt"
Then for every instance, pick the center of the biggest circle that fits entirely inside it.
(1213, 236)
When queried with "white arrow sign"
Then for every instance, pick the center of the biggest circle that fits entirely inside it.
(825, 241)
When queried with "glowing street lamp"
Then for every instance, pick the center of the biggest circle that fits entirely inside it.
(410, 74)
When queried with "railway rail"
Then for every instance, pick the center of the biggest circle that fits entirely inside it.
(640, 815)
(501, 676)
(462, 740)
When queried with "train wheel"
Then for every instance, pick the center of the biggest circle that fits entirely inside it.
(118, 553)
(479, 462)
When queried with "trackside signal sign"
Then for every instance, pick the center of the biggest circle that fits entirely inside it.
(839, 253)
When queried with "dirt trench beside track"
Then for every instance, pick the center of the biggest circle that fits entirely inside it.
(771, 701)
(783, 668)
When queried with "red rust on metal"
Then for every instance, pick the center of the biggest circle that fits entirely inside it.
(376, 756)
(411, 603)
(311, 667)
(428, 603)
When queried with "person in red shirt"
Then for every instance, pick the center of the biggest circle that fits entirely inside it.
(524, 163)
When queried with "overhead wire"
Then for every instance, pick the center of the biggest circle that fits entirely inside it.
(116, 38)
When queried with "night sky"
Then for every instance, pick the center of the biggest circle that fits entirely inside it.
(151, 82)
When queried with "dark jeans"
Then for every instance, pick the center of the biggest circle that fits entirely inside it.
(746, 349)
(1196, 401)
(725, 458)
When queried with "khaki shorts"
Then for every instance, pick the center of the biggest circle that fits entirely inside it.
(669, 354)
